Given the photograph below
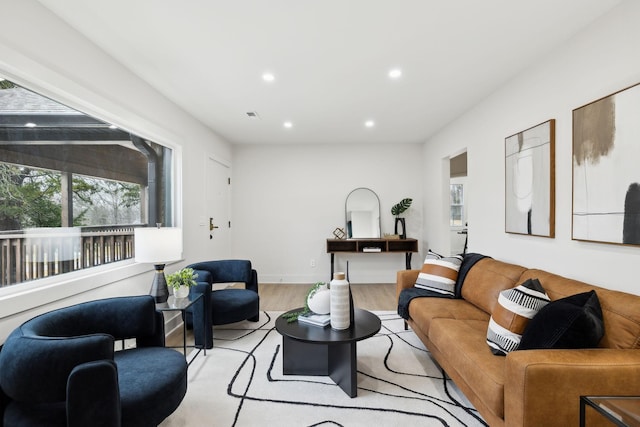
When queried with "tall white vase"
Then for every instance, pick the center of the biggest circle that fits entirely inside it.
(340, 304)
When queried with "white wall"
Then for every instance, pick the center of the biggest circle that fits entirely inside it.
(40, 52)
(288, 199)
(596, 63)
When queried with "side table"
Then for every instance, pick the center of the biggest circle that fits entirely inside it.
(622, 411)
(181, 305)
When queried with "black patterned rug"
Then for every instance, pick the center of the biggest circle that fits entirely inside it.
(240, 383)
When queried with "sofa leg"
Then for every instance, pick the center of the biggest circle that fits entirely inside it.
(406, 326)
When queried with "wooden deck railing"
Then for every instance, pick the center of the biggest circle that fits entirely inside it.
(34, 254)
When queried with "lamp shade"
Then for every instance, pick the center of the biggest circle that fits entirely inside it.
(158, 245)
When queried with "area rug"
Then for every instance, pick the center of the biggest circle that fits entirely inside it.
(240, 383)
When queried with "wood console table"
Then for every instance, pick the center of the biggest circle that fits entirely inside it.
(374, 246)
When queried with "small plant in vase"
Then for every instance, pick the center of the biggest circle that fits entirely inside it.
(181, 281)
(317, 301)
(396, 211)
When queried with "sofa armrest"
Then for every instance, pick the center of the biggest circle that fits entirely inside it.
(93, 397)
(195, 314)
(405, 279)
(253, 284)
(543, 387)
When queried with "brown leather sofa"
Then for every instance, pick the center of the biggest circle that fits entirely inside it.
(527, 387)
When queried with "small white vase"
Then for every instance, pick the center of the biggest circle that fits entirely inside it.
(181, 292)
(319, 302)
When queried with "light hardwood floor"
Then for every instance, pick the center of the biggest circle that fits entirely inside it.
(283, 297)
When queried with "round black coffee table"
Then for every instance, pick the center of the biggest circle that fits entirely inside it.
(314, 350)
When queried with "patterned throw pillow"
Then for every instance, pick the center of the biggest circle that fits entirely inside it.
(515, 308)
(439, 273)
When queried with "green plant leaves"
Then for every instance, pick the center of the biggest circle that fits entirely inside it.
(184, 277)
(399, 208)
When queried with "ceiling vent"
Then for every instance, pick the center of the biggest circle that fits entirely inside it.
(253, 115)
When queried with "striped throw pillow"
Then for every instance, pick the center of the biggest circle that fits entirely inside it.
(515, 308)
(439, 273)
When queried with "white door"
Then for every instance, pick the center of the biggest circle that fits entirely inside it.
(218, 209)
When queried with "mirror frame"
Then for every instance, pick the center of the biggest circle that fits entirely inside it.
(346, 215)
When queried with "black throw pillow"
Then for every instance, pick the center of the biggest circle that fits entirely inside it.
(571, 322)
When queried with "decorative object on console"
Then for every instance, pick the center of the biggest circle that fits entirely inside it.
(340, 302)
(606, 196)
(530, 181)
(515, 308)
(362, 214)
(181, 281)
(158, 246)
(339, 233)
(396, 211)
(571, 322)
(439, 273)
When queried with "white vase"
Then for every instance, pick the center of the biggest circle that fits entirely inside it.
(320, 301)
(181, 292)
(340, 304)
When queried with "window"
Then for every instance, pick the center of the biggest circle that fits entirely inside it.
(72, 188)
(456, 202)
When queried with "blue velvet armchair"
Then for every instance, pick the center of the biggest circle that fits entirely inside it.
(227, 305)
(60, 368)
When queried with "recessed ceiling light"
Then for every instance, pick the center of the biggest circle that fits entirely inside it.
(369, 123)
(288, 125)
(30, 125)
(113, 127)
(395, 73)
(268, 77)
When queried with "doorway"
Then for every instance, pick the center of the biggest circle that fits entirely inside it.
(458, 196)
(218, 211)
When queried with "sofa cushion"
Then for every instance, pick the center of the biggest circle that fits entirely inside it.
(572, 322)
(462, 343)
(486, 279)
(424, 310)
(516, 307)
(439, 273)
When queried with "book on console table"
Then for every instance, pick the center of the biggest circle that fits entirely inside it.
(371, 249)
(314, 319)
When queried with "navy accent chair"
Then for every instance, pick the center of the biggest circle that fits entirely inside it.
(60, 368)
(228, 305)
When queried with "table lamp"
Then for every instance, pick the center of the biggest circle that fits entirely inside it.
(158, 246)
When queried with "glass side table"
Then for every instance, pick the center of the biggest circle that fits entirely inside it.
(181, 305)
(622, 411)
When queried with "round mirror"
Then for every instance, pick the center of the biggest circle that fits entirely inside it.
(362, 214)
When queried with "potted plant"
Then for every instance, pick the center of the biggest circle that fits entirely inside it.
(322, 305)
(398, 209)
(181, 281)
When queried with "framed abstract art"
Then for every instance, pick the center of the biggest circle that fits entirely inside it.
(530, 181)
(606, 169)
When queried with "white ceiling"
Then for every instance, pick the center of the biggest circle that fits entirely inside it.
(330, 59)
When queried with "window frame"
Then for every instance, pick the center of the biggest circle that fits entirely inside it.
(25, 296)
